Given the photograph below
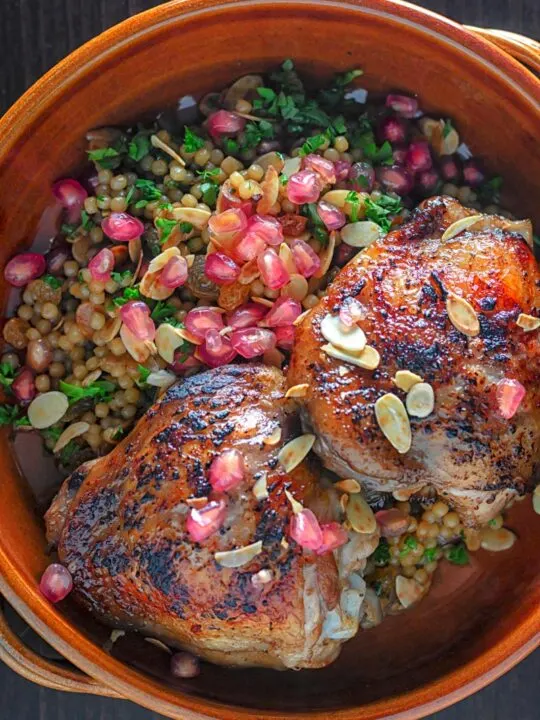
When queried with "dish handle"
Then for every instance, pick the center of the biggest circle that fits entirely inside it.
(24, 661)
(524, 49)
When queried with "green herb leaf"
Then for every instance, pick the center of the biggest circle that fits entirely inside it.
(100, 390)
(8, 414)
(121, 277)
(315, 224)
(164, 312)
(129, 196)
(410, 543)
(230, 146)
(51, 434)
(447, 128)
(118, 433)
(208, 174)
(283, 179)
(143, 374)
(67, 452)
(209, 193)
(354, 201)
(490, 191)
(69, 230)
(430, 555)
(52, 281)
(186, 227)
(139, 146)
(149, 191)
(381, 210)
(107, 157)
(192, 142)
(333, 96)
(130, 293)
(22, 421)
(381, 556)
(7, 375)
(165, 227)
(256, 132)
(313, 143)
(458, 554)
(86, 222)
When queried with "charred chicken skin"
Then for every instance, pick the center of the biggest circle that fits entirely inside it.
(120, 525)
(471, 455)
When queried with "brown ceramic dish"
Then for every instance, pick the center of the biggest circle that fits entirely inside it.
(477, 622)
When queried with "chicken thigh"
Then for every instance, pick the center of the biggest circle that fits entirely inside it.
(405, 290)
(119, 525)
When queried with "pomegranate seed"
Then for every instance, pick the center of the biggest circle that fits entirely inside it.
(395, 179)
(122, 227)
(272, 268)
(399, 155)
(23, 387)
(136, 316)
(251, 342)
(305, 258)
(332, 217)
(182, 363)
(283, 312)
(228, 225)
(392, 523)
(223, 122)
(56, 583)
(403, 105)
(392, 130)
(227, 470)
(23, 268)
(333, 536)
(184, 665)
(267, 228)
(351, 312)
(472, 174)
(285, 337)
(175, 272)
(246, 315)
(206, 521)
(101, 265)
(323, 167)
(343, 169)
(303, 187)
(362, 176)
(71, 195)
(304, 528)
(509, 394)
(221, 269)
(202, 319)
(427, 181)
(418, 156)
(216, 355)
(214, 342)
(249, 247)
(450, 168)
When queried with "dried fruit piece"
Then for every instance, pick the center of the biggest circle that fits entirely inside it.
(352, 340)
(528, 322)
(460, 225)
(47, 409)
(408, 591)
(360, 515)
(297, 391)
(239, 556)
(462, 315)
(71, 432)
(405, 379)
(420, 400)
(292, 454)
(393, 420)
(368, 359)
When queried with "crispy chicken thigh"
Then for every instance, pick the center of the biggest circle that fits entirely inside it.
(119, 524)
(464, 449)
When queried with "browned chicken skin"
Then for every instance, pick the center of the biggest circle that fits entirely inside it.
(119, 524)
(470, 455)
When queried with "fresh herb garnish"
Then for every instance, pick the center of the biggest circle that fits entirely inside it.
(447, 128)
(458, 554)
(255, 133)
(22, 421)
(86, 222)
(8, 414)
(139, 146)
(69, 230)
(230, 146)
(186, 227)
(130, 293)
(378, 588)
(313, 143)
(334, 95)
(430, 555)
(51, 434)
(410, 543)
(100, 390)
(121, 277)
(492, 523)
(7, 375)
(315, 224)
(164, 312)
(192, 142)
(208, 174)
(165, 226)
(353, 199)
(143, 374)
(129, 196)
(209, 193)
(149, 191)
(380, 210)
(283, 179)
(52, 281)
(107, 157)
(381, 556)
(118, 433)
(67, 452)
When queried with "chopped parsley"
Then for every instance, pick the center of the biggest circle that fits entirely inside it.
(52, 281)
(209, 193)
(22, 421)
(255, 133)
(458, 554)
(51, 434)
(139, 146)
(186, 227)
(283, 179)
(164, 312)
(69, 230)
(129, 196)
(334, 95)
(447, 128)
(86, 222)
(100, 390)
(379, 211)
(208, 174)
(353, 198)
(107, 157)
(430, 555)
(192, 142)
(315, 224)
(165, 226)
(230, 146)
(410, 543)
(7, 375)
(67, 452)
(8, 414)
(149, 192)
(130, 293)
(313, 143)
(381, 556)
(121, 277)
(118, 433)
(143, 374)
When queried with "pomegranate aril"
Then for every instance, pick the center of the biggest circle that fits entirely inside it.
(71, 195)
(223, 122)
(200, 320)
(427, 181)
(23, 387)
(304, 528)
(252, 342)
(303, 187)
(418, 156)
(184, 665)
(227, 470)
(221, 269)
(351, 312)
(403, 105)
(333, 536)
(509, 394)
(399, 154)
(392, 129)
(182, 363)
(24, 268)
(395, 179)
(472, 174)
(323, 167)
(227, 200)
(343, 169)
(101, 265)
(283, 312)
(332, 217)
(136, 316)
(56, 583)
(274, 274)
(362, 176)
(122, 227)
(305, 258)
(57, 257)
(175, 272)
(249, 247)
(267, 228)
(214, 342)
(203, 523)
(228, 225)
(450, 168)
(246, 315)
(285, 337)
(216, 358)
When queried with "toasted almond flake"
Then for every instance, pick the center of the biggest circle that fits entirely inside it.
(159, 262)
(151, 288)
(343, 502)
(161, 379)
(197, 502)
(157, 142)
(270, 191)
(113, 637)
(274, 437)
(522, 227)
(528, 322)
(301, 317)
(536, 499)
(260, 489)
(47, 409)
(226, 330)
(342, 371)
(59, 324)
(284, 544)
(460, 225)
(135, 250)
(69, 434)
(360, 515)
(292, 454)
(462, 315)
(349, 485)
(296, 506)
(497, 540)
(263, 577)
(449, 142)
(339, 199)
(195, 216)
(262, 301)
(189, 337)
(168, 339)
(351, 340)
(408, 591)
(368, 359)
(297, 391)
(91, 378)
(286, 256)
(158, 644)
(405, 379)
(249, 272)
(239, 556)
(393, 420)
(420, 400)
(139, 351)
(361, 234)
(291, 166)
(326, 256)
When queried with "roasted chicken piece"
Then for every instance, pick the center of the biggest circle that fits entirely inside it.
(119, 525)
(464, 448)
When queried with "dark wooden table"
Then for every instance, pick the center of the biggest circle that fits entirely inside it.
(35, 34)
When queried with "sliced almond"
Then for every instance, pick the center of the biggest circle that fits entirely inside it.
(270, 191)
(301, 317)
(157, 643)
(343, 502)
(393, 420)
(168, 339)
(296, 506)
(497, 540)
(47, 409)
(462, 315)
(420, 400)
(274, 437)
(326, 256)
(197, 502)
(161, 379)
(151, 288)
(249, 272)
(158, 143)
(71, 432)
(360, 515)
(286, 256)
(108, 332)
(536, 499)
(522, 227)
(297, 391)
(262, 301)
(349, 486)
(405, 379)
(91, 378)
(528, 322)
(139, 350)
(135, 250)
(291, 166)
(193, 339)
(360, 234)
(159, 262)
(292, 454)
(449, 141)
(239, 556)
(460, 225)
(351, 340)
(260, 488)
(338, 198)
(368, 359)
(198, 217)
(408, 591)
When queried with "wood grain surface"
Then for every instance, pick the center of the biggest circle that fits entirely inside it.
(34, 35)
